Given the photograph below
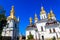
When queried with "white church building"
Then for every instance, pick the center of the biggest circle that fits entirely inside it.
(11, 29)
(45, 28)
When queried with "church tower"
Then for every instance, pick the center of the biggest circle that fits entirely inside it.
(43, 13)
(11, 29)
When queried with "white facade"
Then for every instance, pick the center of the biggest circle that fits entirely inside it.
(43, 16)
(47, 28)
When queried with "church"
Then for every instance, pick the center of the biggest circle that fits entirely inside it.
(45, 28)
(11, 31)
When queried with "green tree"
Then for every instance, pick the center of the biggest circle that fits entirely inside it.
(54, 38)
(30, 37)
(2, 19)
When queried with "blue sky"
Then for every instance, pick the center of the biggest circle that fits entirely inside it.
(27, 8)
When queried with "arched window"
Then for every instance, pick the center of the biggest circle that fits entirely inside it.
(53, 30)
(50, 31)
(41, 28)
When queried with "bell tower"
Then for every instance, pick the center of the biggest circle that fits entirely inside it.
(11, 29)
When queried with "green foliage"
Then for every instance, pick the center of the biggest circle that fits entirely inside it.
(2, 19)
(2, 22)
(54, 38)
(36, 30)
(30, 37)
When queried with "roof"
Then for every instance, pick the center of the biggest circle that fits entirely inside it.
(43, 20)
(31, 27)
(52, 26)
(52, 23)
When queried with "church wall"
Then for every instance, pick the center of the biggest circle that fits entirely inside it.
(46, 32)
(52, 34)
(32, 32)
(58, 34)
(39, 25)
(56, 29)
(11, 23)
(3, 33)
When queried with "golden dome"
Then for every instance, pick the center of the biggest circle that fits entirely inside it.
(9, 18)
(51, 13)
(11, 14)
(42, 11)
(30, 20)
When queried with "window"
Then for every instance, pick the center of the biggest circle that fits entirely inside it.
(15, 25)
(50, 31)
(53, 30)
(41, 28)
(44, 16)
(29, 32)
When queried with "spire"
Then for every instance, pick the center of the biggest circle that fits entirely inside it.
(30, 20)
(12, 12)
(35, 15)
(36, 19)
(42, 11)
(49, 16)
(18, 19)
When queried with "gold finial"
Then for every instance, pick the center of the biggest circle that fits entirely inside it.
(12, 12)
(36, 17)
(30, 20)
(42, 11)
(51, 13)
(49, 17)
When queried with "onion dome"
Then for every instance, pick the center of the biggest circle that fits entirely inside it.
(12, 14)
(51, 13)
(42, 11)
